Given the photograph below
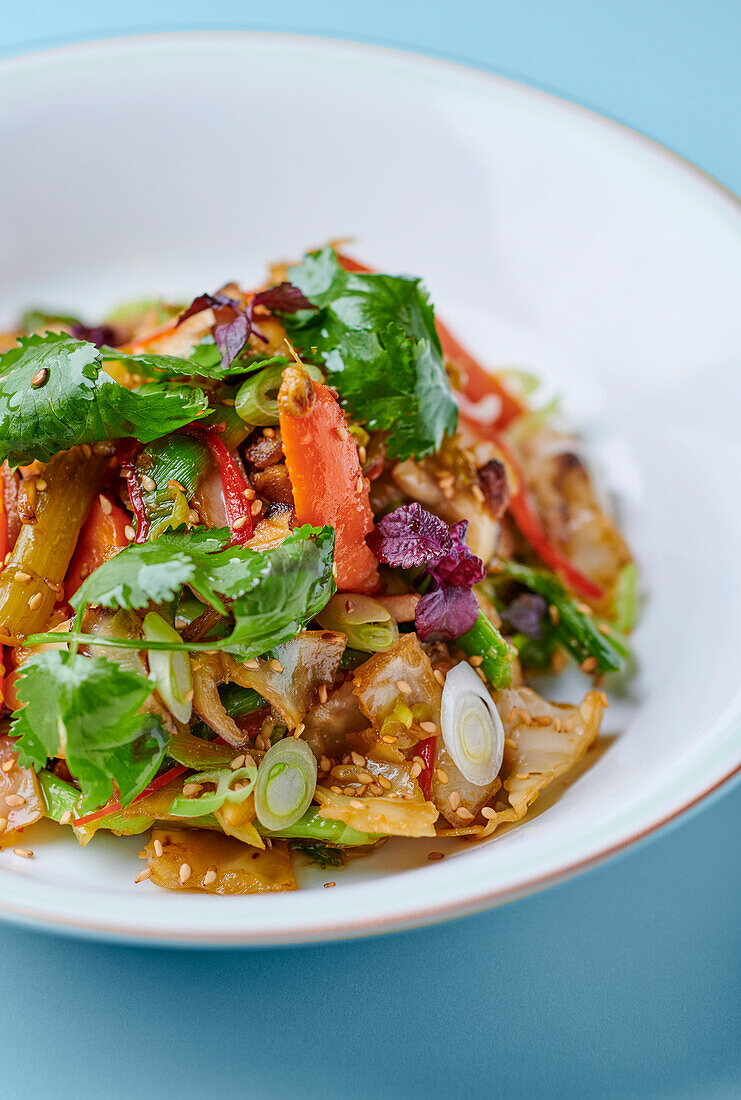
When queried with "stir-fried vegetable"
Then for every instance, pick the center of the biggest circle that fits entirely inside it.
(244, 547)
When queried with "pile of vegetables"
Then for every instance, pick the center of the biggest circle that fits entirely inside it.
(275, 566)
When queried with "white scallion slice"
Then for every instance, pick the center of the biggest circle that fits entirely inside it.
(472, 729)
(286, 780)
(170, 671)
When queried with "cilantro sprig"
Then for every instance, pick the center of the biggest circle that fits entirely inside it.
(54, 394)
(86, 709)
(375, 335)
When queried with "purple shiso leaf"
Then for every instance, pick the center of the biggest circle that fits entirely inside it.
(231, 333)
(100, 335)
(285, 298)
(408, 537)
(206, 301)
(526, 614)
(458, 566)
(445, 613)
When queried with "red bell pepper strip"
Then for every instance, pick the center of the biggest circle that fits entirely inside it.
(126, 452)
(114, 806)
(326, 476)
(103, 534)
(426, 751)
(478, 383)
(236, 489)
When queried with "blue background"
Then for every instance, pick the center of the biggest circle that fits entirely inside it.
(622, 983)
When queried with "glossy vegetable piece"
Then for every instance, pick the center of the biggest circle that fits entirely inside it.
(484, 640)
(312, 826)
(103, 534)
(16, 783)
(472, 729)
(367, 624)
(327, 479)
(328, 724)
(170, 670)
(285, 785)
(44, 549)
(390, 817)
(198, 754)
(193, 859)
(377, 685)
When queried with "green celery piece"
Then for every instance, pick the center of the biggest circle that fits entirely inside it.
(484, 640)
(60, 797)
(314, 827)
(54, 394)
(376, 336)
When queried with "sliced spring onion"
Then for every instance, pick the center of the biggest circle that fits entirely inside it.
(58, 795)
(472, 729)
(257, 399)
(368, 625)
(170, 671)
(286, 780)
(312, 826)
(225, 781)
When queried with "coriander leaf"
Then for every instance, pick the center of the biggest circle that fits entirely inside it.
(55, 394)
(376, 336)
(272, 594)
(86, 709)
(156, 571)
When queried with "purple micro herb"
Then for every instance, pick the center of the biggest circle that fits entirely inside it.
(100, 335)
(235, 321)
(410, 537)
(526, 614)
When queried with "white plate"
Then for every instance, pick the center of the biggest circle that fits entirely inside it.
(551, 238)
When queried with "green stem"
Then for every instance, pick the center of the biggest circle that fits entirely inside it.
(484, 640)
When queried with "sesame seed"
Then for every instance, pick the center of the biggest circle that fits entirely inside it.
(428, 727)
(375, 789)
(40, 484)
(269, 433)
(3, 824)
(568, 725)
(322, 693)
(239, 523)
(35, 601)
(416, 769)
(384, 782)
(584, 608)
(362, 453)
(276, 665)
(439, 676)
(403, 687)
(129, 532)
(349, 606)
(336, 790)
(521, 775)
(184, 874)
(193, 518)
(488, 813)
(357, 759)
(604, 629)
(526, 717)
(237, 762)
(252, 663)
(105, 505)
(553, 612)
(26, 853)
(325, 764)
(464, 814)
(144, 874)
(434, 856)
(510, 744)
(543, 720)
(343, 433)
(85, 569)
(454, 800)
(158, 848)
(249, 761)
(248, 493)
(40, 377)
(442, 776)
(446, 481)
(8, 765)
(359, 485)
(87, 451)
(478, 493)
(191, 789)
(328, 884)
(175, 485)
(6, 559)
(256, 507)
(148, 483)
(299, 730)
(66, 817)
(476, 660)
(356, 804)
(209, 877)
(512, 716)
(15, 800)
(589, 665)
(57, 589)
(388, 739)
(557, 725)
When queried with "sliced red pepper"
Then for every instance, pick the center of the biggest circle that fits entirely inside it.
(114, 806)
(102, 536)
(326, 476)
(426, 751)
(126, 453)
(236, 489)
(478, 383)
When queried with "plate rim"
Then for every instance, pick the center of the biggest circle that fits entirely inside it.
(42, 916)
